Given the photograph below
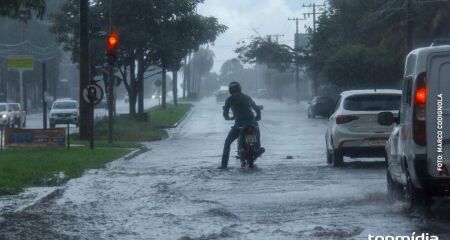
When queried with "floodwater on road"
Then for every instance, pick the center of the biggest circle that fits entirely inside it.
(175, 191)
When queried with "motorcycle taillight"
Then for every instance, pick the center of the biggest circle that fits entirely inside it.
(249, 130)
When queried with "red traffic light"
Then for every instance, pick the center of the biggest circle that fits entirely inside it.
(112, 42)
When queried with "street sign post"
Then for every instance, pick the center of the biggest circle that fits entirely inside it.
(93, 95)
(20, 64)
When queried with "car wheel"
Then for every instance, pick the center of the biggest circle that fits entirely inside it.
(415, 198)
(394, 189)
(337, 158)
(329, 157)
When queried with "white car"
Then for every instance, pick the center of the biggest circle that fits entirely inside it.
(418, 150)
(4, 114)
(353, 129)
(64, 111)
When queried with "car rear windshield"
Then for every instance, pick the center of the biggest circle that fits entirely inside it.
(2, 108)
(65, 105)
(373, 102)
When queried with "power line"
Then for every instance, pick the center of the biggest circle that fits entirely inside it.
(269, 36)
(316, 9)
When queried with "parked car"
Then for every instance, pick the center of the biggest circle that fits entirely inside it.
(320, 106)
(4, 114)
(20, 117)
(418, 149)
(353, 129)
(262, 93)
(222, 95)
(64, 111)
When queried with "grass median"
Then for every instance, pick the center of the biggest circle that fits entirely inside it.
(127, 130)
(27, 167)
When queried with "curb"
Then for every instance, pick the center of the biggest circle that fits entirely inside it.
(188, 114)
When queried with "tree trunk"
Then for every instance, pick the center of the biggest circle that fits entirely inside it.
(189, 75)
(141, 85)
(133, 88)
(185, 77)
(175, 87)
(164, 88)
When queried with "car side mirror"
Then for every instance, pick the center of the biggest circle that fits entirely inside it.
(386, 118)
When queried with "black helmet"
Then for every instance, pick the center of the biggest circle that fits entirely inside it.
(234, 87)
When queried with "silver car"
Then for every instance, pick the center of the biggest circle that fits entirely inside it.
(353, 129)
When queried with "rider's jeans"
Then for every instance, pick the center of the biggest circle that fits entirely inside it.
(232, 136)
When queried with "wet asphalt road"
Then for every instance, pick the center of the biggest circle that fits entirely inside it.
(174, 191)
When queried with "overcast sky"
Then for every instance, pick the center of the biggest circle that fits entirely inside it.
(246, 18)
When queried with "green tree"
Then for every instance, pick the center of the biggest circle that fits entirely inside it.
(152, 33)
(231, 70)
(368, 29)
(22, 9)
(265, 51)
(179, 35)
(202, 62)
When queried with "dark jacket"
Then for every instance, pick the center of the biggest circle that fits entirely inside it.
(241, 105)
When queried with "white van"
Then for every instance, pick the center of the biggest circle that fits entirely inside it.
(418, 150)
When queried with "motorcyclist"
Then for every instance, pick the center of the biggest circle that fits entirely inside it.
(241, 105)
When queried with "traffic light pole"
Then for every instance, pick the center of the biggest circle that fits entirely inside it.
(91, 125)
(111, 85)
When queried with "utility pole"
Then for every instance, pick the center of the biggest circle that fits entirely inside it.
(409, 26)
(84, 69)
(297, 70)
(316, 9)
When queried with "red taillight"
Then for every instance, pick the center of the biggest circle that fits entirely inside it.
(419, 120)
(249, 130)
(421, 95)
(342, 119)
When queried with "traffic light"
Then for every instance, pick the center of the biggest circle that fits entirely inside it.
(112, 43)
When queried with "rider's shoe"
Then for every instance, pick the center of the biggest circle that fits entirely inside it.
(222, 168)
(260, 151)
(251, 165)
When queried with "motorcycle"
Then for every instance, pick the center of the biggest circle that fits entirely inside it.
(248, 146)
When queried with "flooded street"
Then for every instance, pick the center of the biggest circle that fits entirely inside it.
(175, 191)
